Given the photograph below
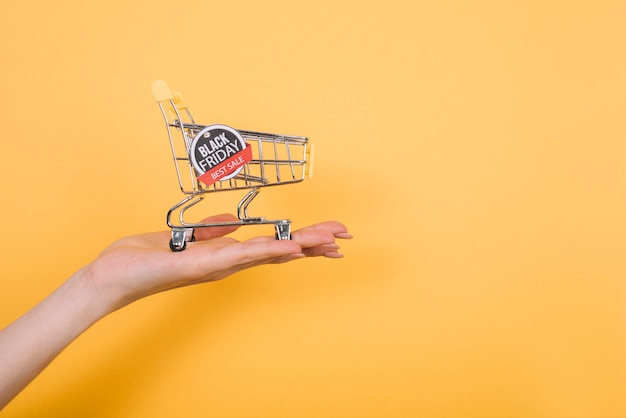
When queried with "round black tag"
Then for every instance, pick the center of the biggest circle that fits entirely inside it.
(217, 153)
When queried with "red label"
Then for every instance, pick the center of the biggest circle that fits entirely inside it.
(227, 167)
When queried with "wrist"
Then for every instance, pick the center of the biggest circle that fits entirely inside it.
(92, 299)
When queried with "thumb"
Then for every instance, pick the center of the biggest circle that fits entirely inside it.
(218, 230)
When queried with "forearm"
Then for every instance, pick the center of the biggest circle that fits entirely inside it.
(30, 343)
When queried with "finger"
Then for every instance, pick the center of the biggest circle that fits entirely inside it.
(304, 237)
(309, 238)
(316, 240)
(326, 250)
(338, 229)
(311, 247)
(324, 232)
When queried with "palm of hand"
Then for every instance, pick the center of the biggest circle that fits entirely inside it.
(140, 265)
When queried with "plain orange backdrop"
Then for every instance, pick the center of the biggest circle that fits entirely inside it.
(476, 150)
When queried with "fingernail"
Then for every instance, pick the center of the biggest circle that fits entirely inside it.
(333, 254)
(293, 257)
(331, 246)
(344, 235)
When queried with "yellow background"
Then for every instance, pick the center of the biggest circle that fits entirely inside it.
(474, 148)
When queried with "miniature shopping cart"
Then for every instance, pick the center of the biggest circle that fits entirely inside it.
(215, 158)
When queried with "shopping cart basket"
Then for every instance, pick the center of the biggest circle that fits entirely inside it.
(215, 158)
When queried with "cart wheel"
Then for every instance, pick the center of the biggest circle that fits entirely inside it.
(278, 238)
(283, 230)
(177, 248)
(180, 237)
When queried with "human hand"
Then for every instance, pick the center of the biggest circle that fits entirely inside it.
(135, 267)
(141, 265)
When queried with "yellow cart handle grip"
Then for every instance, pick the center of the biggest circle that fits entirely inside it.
(161, 92)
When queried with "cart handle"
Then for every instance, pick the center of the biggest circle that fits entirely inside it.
(171, 102)
(162, 93)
